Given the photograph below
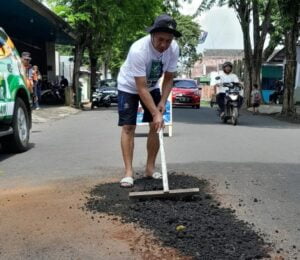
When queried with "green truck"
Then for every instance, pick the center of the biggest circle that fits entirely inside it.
(15, 99)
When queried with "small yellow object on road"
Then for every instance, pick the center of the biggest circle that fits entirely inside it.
(180, 228)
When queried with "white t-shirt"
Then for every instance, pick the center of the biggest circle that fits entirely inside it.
(226, 78)
(144, 60)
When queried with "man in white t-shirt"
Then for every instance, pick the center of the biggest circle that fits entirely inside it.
(226, 77)
(149, 59)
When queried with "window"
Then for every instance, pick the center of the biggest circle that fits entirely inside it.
(184, 84)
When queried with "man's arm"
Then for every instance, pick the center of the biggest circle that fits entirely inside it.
(141, 84)
(166, 89)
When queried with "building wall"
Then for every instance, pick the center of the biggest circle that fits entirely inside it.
(210, 64)
(66, 67)
(85, 79)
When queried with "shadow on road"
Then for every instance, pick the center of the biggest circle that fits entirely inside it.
(6, 155)
(146, 135)
(209, 116)
(113, 107)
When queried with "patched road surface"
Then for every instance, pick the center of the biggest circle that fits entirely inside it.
(252, 170)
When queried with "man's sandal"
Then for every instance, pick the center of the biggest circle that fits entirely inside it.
(126, 182)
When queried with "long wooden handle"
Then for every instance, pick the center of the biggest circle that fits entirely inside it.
(163, 162)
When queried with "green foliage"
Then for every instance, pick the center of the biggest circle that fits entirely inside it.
(65, 50)
(189, 41)
(289, 11)
(109, 27)
(128, 23)
(276, 32)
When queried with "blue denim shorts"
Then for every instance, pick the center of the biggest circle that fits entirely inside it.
(128, 107)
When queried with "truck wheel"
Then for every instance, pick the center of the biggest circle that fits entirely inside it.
(19, 140)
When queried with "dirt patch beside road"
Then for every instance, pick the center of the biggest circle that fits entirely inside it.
(48, 223)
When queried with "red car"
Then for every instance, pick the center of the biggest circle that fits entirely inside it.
(185, 92)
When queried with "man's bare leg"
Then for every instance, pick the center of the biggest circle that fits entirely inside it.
(152, 148)
(127, 145)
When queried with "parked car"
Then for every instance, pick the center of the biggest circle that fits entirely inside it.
(109, 87)
(186, 93)
(15, 99)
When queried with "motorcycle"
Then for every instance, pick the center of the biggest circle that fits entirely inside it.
(54, 94)
(100, 99)
(232, 102)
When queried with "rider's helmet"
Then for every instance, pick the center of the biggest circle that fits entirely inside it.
(227, 64)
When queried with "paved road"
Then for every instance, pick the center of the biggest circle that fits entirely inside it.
(258, 159)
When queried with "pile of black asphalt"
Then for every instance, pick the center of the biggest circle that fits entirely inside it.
(196, 226)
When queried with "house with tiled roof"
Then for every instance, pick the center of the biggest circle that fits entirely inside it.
(213, 59)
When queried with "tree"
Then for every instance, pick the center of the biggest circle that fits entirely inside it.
(136, 29)
(125, 22)
(100, 23)
(79, 14)
(189, 41)
(276, 33)
(107, 28)
(259, 13)
(289, 16)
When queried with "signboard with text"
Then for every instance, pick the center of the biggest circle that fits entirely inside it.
(168, 115)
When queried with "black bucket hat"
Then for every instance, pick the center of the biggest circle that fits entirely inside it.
(164, 23)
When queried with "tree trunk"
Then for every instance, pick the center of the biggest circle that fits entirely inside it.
(105, 70)
(290, 16)
(256, 71)
(253, 58)
(259, 36)
(79, 49)
(94, 68)
(288, 107)
(248, 65)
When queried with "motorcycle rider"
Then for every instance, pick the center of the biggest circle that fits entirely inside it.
(226, 77)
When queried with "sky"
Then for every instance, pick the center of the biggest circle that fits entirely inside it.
(222, 25)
